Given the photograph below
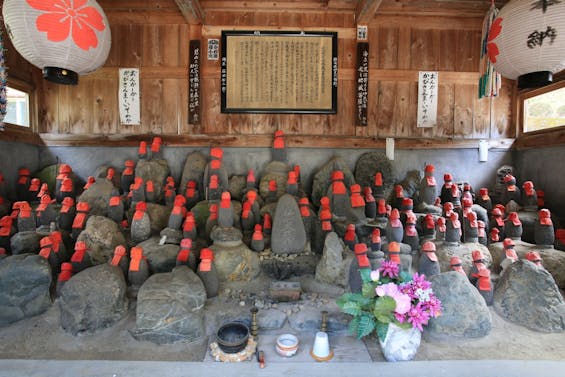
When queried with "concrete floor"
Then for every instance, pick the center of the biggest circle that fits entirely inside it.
(448, 368)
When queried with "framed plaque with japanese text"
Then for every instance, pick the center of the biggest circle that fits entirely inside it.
(279, 72)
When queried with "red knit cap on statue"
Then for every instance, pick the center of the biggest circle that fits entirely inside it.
(394, 251)
(215, 164)
(213, 182)
(206, 253)
(291, 180)
(186, 243)
(447, 177)
(477, 256)
(545, 217)
(513, 216)
(429, 169)
(483, 192)
(508, 243)
(217, 153)
(378, 179)
(429, 248)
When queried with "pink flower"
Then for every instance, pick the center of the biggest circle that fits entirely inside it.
(403, 301)
(64, 17)
(389, 269)
(418, 317)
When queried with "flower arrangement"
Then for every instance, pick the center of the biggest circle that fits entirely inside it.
(390, 296)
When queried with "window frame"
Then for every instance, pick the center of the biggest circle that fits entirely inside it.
(526, 94)
(29, 89)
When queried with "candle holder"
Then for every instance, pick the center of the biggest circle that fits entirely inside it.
(254, 325)
(324, 326)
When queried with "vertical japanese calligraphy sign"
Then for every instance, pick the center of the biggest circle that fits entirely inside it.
(128, 96)
(279, 72)
(362, 83)
(427, 98)
(194, 82)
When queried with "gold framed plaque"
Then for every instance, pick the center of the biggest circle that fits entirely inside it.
(279, 72)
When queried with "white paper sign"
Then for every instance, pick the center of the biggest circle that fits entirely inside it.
(427, 98)
(129, 96)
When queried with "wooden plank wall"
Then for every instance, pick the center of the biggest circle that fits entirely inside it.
(153, 36)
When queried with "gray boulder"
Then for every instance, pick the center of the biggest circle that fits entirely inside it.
(278, 171)
(25, 242)
(368, 164)
(154, 170)
(527, 295)
(236, 186)
(161, 258)
(553, 260)
(98, 196)
(288, 235)
(24, 287)
(465, 313)
(159, 216)
(333, 267)
(322, 179)
(93, 299)
(235, 262)
(101, 236)
(170, 307)
(193, 170)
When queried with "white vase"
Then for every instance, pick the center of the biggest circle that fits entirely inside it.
(400, 344)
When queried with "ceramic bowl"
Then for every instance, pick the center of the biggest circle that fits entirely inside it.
(232, 337)
(287, 345)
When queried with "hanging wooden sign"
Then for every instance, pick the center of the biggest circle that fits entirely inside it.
(362, 82)
(194, 82)
(129, 104)
(427, 98)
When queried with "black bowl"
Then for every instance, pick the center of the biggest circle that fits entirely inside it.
(232, 337)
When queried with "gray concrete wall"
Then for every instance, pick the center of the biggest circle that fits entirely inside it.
(463, 164)
(544, 166)
(15, 155)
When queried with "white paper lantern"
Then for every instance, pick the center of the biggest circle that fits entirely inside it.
(65, 38)
(527, 41)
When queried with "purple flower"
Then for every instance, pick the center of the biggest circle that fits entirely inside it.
(419, 281)
(389, 269)
(418, 317)
(434, 306)
(400, 317)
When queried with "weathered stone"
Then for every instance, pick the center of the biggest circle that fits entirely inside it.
(236, 186)
(159, 216)
(322, 178)
(156, 171)
(93, 299)
(24, 287)
(289, 235)
(464, 311)
(231, 236)
(170, 307)
(333, 267)
(172, 236)
(310, 319)
(410, 183)
(161, 258)
(101, 172)
(527, 295)
(274, 170)
(101, 235)
(98, 197)
(271, 319)
(235, 263)
(201, 213)
(446, 250)
(370, 163)
(553, 260)
(193, 170)
(282, 267)
(25, 242)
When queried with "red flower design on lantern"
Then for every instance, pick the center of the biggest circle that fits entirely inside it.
(64, 17)
(492, 48)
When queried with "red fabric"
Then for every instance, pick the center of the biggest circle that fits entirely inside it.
(138, 215)
(250, 176)
(213, 182)
(514, 218)
(65, 275)
(205, 265)
(149, 186)
(67, 185)
(83, 207)
(272, 185)
(155, 147)
(183, 255)
(349, 235)
(363, 261)
(114, 201)
(395, 223)
(511, 254)
(357, 201)
(511, 188)
(394, 256)
(484, 280)
(482, 232)
(25, 213)
(5, 231)
(431, 181)
(142, 148)
(78, 222)
(381, 209)
(110, 174)
(215, 164)
(217, 153)
(267, 222)
(399, 191)
(326, 225)
(206, 253)
(429, 220)
(23, 180)
(378, 179)
(34, 185)
(116, 260)
(338, 188)
(190, 192)
(304, 211)
(499, 221)
(431, 255)
(78, 256)
(257, 235)
(136, 257)
(278, 143)
(128, 171)
(291, 178)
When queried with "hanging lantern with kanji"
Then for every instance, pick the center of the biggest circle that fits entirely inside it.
(64, 38)
(527, 41)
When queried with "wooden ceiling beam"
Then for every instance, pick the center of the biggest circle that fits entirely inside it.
(366, 10)
(191, 10)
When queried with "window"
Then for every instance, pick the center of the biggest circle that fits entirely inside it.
(18, 107)
(544, 108)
